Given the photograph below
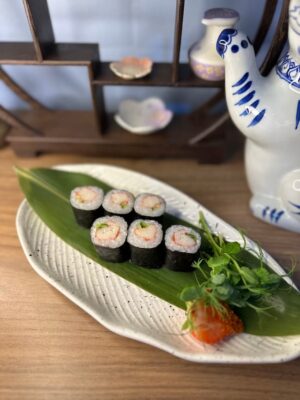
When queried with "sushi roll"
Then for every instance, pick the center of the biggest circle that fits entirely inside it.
(145, 240)
(108, 235)
(119, 202)
(182, 246)
(86, 202)
(148, 205)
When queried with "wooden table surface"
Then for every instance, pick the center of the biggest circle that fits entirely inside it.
(51, 349)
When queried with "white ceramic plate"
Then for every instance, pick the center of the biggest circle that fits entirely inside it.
(121, 306)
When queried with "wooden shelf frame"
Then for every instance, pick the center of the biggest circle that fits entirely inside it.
(44, 50)
(162, 75)
(64, 129)
(80, 54)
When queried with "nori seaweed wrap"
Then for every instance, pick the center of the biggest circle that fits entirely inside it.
(182, 247)
(86, 203)
(145, 240)
(108, 235)
(119, 202)
(148, 205)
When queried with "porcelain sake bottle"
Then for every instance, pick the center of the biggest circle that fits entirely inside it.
(203, 57)
(267, 111)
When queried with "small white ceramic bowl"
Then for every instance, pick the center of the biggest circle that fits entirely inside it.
(143, 117)
(131, 67)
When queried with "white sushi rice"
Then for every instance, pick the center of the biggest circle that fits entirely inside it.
(91, 197)
(115, 222)
(139, 241)
(144, 205)
(181, 246)
(114, 201)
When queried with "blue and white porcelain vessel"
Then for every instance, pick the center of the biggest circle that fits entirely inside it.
(267, 111)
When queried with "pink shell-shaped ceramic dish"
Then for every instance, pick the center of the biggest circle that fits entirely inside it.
(143, 117)
(131, 67)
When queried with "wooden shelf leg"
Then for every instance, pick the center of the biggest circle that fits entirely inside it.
(13, 120)
(177, 39)
(98, 100)
(24, 151)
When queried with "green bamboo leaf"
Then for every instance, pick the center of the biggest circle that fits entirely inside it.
(47, 191)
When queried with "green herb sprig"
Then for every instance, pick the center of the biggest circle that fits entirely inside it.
(227, 280)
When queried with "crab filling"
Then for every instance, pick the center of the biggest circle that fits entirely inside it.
(146, 231)
(151, 202)
(107, 231)
(184, 239)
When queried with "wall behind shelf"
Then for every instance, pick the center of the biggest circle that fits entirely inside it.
(59, 87)
(122, 27)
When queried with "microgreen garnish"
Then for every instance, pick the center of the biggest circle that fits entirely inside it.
(227, 280)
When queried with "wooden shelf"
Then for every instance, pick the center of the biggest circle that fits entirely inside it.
(57, 54)
(67, 131)
(72, 54)
(186, 78)
(75, 131)
(17, 53)
(87, 53)
(161, 75)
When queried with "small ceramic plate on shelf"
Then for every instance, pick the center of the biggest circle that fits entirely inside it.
(143, 117)
(132, 67)
(123, 307)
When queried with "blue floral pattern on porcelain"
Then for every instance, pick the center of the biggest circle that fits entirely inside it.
(294, 14)
(289, 70)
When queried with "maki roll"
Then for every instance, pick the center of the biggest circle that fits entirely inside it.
(182, 246)
(119, 202)
(145, 240)
(108, 235)
(148, 205)
(86, 202)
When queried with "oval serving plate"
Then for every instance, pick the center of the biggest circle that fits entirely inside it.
(126, 309)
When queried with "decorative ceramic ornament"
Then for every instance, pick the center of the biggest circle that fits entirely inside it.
(267, 111)
(203, 58)
(131, 67)
(143, 117)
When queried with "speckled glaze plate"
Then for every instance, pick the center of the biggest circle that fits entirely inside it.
(126, 309)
